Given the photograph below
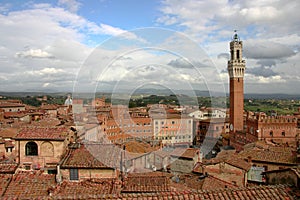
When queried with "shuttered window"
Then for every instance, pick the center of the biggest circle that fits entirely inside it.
(74, 174)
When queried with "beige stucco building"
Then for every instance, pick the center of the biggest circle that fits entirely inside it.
(41, 147)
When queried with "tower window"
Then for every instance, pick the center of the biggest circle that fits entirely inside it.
(283, 133)
(232, 55)
(238, 54)
(238, 79)
(271, 133)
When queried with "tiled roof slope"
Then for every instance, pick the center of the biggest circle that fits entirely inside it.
(7, 105)
(267, 155)
(261, 192)
(4, 181)
(227, 194)
(229, 158)
(8, 168)
(29, 185)
(97, 156)
(51, 133)
(189, 153)
(237, 162)
(146, 182)
(85, 189)
(8, 132)
(109, 154)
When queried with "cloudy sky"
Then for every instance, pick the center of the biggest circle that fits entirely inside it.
(68, 45)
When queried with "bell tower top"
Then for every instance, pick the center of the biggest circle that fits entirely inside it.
(235, 38)
(236, 64)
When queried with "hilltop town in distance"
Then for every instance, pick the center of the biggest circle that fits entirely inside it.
(62, 147)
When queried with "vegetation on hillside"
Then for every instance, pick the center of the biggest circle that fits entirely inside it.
(269, 106)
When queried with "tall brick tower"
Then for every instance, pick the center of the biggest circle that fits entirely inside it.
(236, 70)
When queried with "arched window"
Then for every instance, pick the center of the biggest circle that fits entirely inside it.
(31, 149)
(47, 149)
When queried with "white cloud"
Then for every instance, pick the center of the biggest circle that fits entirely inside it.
(200, 18)
(256, 14)
(266, 49)
(46, 84)
(269, 30)
(54, 35)
(71, 5)
(109, 30)
(34, 53)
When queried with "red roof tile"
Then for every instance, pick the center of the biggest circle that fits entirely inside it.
(46, 122)
(238, 162)
(4, 181)
(50, 133)
(8, 168)
(185, 153)
(8, 105)
(29, 185)
(8, 132)
(228, 157)
(253, 193)
(86, 189)
(87, 156)
(146, 182)
(15, 114)
(49, 107)
(268, 155)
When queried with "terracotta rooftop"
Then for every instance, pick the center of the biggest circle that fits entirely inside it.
(4, 181)
(51, 133)
(8, 132)
(207, 182)
(138, 147)
(146, 182)
(238, 162)
(49, 107)
(252, 193)
(189, 153)
(92, 156)
(213, 183)
(229, 157)
(85, 189)
(46, 122)
(266, 155)
(15, 114)
(266, 192)
(8, 104)
(29, 185)
(8, 168)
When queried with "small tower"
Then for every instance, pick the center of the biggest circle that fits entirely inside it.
(236, 70)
